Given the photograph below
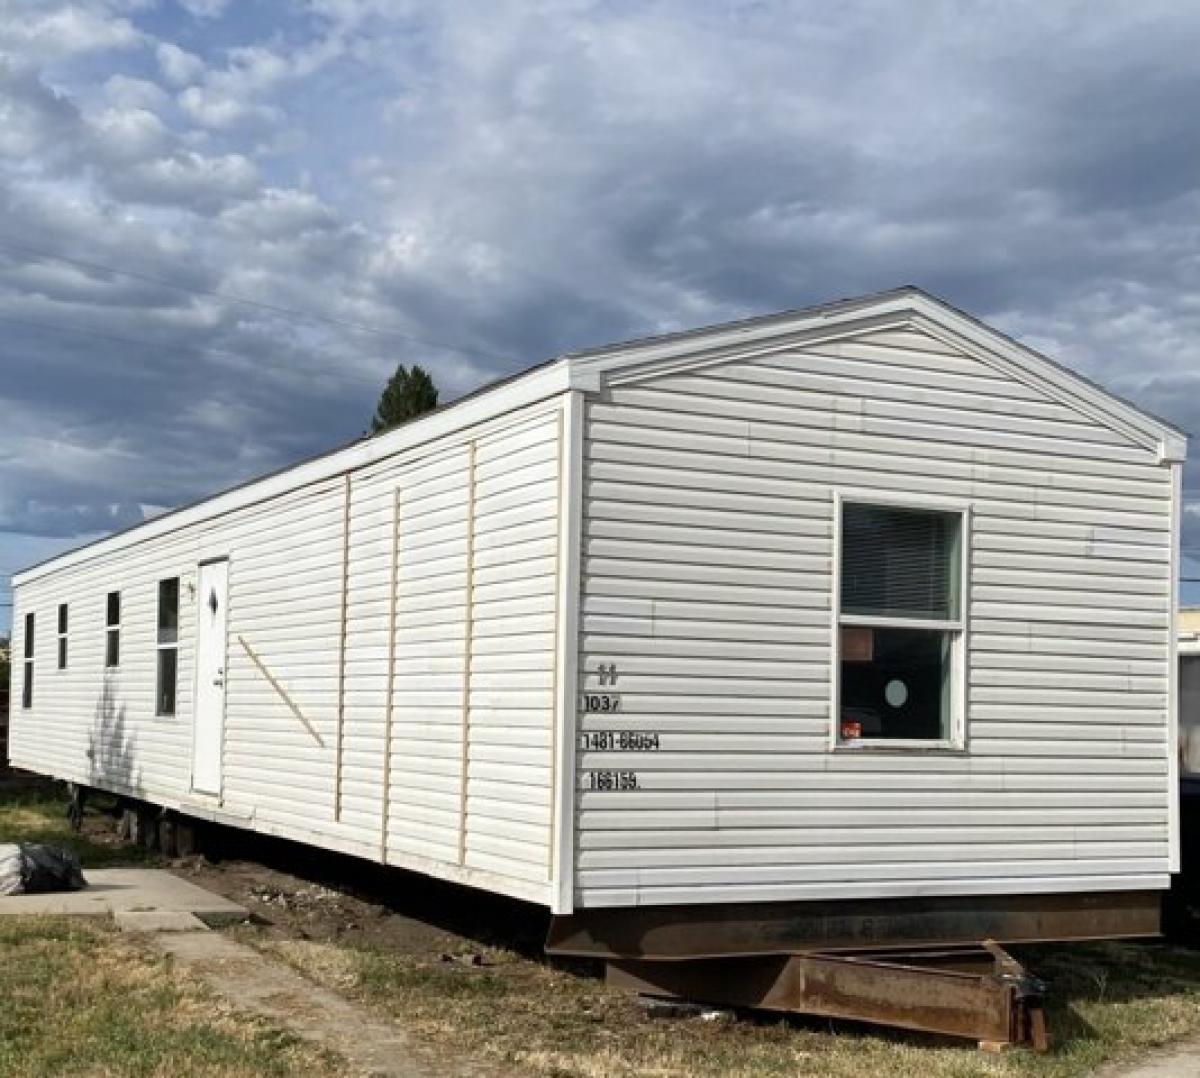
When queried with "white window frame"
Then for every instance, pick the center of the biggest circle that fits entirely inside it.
(28, 641)
(161, 646)
(62, 653)
(113, 627)
(960, 627)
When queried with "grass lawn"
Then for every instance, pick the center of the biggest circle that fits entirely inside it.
(78, 998)
(42, 817)
(1108, 1001)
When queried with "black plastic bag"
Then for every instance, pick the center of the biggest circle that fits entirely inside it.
(31, 868)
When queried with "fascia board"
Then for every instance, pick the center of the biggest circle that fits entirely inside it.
(788, 341)
(653, 355)
(539, 384)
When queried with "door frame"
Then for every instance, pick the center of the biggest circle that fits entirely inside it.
(219, 795)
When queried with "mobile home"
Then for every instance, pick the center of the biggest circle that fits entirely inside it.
(864, 607)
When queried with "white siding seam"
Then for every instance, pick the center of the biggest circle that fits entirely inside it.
(568, 652)
(390, 703)
(344, 624)
(835, 612)
(468, 615)
(1173, 809)
(556, 653)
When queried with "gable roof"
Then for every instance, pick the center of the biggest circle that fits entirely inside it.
(590, 370)
(908, 307)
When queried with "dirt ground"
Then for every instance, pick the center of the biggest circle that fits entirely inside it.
(296, 892)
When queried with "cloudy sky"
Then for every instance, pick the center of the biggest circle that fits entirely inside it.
(223, 222)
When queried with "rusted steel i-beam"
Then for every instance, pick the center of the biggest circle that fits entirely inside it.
(699, 931)
(974, 991)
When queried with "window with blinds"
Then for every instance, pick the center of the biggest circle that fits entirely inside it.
(900, 629)
(899, 563)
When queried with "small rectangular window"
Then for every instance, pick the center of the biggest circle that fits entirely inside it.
(900, 624)
(168, 611)
(27, 669)
(62, 636)
(112, 630)
(168, 645)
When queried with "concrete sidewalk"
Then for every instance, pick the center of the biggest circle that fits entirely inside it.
(174, 915)
(250, 981)
(1178, 1061)
(126, 890)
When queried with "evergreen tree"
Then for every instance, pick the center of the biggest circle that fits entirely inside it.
(410, 392)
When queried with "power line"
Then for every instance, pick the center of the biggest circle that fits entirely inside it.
(274, 308)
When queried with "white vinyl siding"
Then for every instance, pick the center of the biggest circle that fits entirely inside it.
(429, 614)
(708, 554)
(287, 557)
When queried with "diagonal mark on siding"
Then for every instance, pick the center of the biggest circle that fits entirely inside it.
(262, 669)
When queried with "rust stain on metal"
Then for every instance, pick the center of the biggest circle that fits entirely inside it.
(687, 932)
(935, 965)
(974, 991)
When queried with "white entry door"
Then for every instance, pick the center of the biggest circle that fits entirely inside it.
(208, 730)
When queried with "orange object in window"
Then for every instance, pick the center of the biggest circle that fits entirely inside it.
(858, 644)
(851, 729)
